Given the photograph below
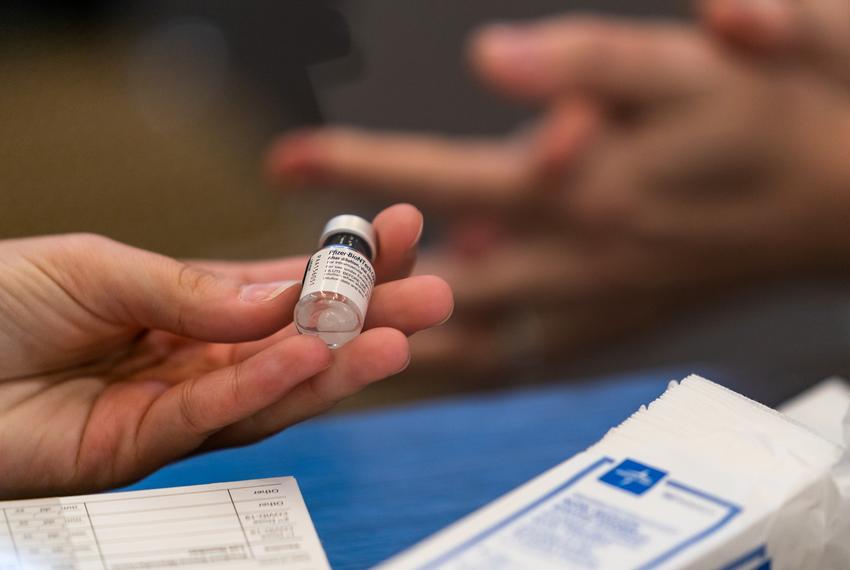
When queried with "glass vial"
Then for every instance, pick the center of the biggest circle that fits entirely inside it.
(338, 282)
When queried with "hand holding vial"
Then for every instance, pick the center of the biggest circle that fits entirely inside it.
(120, 360)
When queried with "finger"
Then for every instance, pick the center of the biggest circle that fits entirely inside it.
(411, 305)
(185, 415)
(565, 135)
(408, 305)
(522, 337)
(372, 356)
(422, 169)
(625, 62)
(130, 287)
(515, 272)
(398, 228)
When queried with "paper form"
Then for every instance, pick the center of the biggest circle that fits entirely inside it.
(262, 523)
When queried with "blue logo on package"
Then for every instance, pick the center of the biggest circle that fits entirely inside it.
(633, 477)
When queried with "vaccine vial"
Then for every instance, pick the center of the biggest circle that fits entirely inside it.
(338, 282)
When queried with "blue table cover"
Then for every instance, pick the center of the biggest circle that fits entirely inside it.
(378, 482)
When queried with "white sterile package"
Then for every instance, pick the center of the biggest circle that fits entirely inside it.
(702, 478)
(822, 408)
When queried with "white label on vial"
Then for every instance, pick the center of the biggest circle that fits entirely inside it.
(339, 269)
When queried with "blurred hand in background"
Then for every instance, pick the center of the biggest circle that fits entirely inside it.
(118, 361)
(814, 33)
(665, 167)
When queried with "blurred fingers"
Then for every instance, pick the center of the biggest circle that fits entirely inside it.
(423, 169)
(817, 30)
(564, 136)
(624, 62)
(770, 26)
(529, 338)
(555, 268)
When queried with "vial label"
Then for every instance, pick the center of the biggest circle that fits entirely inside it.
(340, 270)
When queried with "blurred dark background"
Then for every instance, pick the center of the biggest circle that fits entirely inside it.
(147, 122)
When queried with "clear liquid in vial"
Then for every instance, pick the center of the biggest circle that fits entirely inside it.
(332, 317)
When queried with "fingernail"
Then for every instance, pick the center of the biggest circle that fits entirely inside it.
(406, 365)
(264, 292)
(447, 318)
(418, 237)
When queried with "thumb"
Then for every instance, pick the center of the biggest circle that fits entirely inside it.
(129, 286)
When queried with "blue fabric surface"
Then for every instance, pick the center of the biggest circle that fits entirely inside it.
(377, 483)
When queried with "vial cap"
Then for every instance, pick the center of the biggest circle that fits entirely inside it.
(351, 224)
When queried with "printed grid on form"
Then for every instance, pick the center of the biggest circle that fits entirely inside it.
(248, 524)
